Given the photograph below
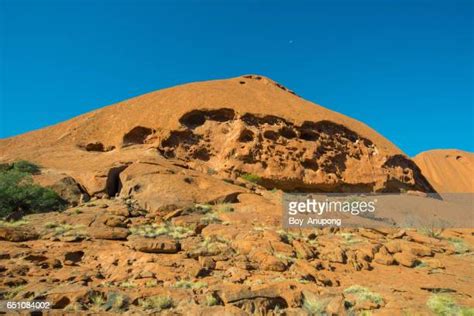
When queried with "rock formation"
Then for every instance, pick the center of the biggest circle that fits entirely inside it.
(230, 128)
(449, 171)
(176, 209)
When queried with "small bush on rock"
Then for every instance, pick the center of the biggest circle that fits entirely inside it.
(315, 305)
(155, 230)
(250, 177)
(211, 300)
(442, 304)
(156, 302)
(363, 294)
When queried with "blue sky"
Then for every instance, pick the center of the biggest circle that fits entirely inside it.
(403, 67)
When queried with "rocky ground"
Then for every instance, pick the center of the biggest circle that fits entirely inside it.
(110, 256)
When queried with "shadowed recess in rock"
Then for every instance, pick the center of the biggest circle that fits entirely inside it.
(313, 156)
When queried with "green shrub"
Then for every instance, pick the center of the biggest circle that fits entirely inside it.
(154, 230)
(128, 285)
(116, 301)
(19, 193)
(156, 302)
(61, 229)
(18, 223)
(314, 305)
(26, 167)
(225, 208)
(12, 292)
(151, 283)
(211, 300)
(460, 246)
(443, 304)
(250, 177)
(97, 300)
(363, 294)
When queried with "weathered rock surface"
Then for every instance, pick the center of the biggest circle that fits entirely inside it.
(158, 245)
(110, 233)
(235, 267)
(448, 171)
(17, 234)
(222, 128)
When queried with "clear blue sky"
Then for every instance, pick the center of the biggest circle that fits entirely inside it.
(403, 67)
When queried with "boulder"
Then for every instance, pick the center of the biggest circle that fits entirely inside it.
(335, 254)
(109, 233)
(18, 234)
(155, 187)
(405, 259)
(384, 259)
(416, 249)
(65, 186)
(161, 244)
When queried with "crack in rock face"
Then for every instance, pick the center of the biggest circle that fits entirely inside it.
(316, 156)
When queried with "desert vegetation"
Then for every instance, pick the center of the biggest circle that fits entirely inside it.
(19, 194)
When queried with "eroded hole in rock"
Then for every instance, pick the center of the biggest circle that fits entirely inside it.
(178, 137)
(97, 146)
(287, 132)
(310, 164)
(74, 256)
(308, 135)
(252, 77)
(367, 142)
(246, 136)
(197, 118)
(193, 119)
(272, 135)
(331, 129)
(254, 120)
(113, 184)
(35, 258)
(221, 115)
(284, 88)
(137, 135)
(201, 154)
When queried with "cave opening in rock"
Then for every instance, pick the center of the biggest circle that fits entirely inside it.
(114, 184)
